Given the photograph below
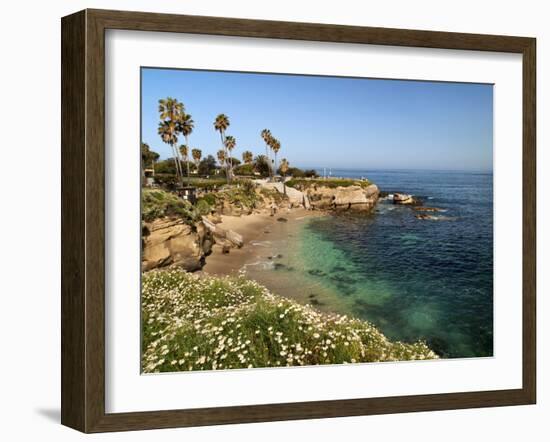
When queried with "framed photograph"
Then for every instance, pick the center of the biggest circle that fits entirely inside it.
(267, 220)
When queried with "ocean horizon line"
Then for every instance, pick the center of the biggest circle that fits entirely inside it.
(395, 169)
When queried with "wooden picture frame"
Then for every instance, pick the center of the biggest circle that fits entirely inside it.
(83, 220)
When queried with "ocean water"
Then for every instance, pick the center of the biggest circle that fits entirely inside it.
(429, 279)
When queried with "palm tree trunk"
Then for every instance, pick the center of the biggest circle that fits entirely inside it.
(227, 174)
(268, 160)
(176, 162)
(187, 159)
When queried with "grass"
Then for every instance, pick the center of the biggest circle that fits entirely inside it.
(332, 183)
(195, 322)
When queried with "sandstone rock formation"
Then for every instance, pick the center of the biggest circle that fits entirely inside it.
(169, 241)
(343, 198)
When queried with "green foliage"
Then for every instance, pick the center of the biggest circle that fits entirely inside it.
(202, 207)
(261, 165)
(166, 166)
(210, 199)
(148, 156)
(245, 169)
(241, 194)
(273, 194)
(195, 322)
(332, 183)
(299, 173)
(311, 173)
(207, 166)
(157, 203)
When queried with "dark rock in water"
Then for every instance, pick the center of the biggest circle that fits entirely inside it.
(430, 217)
(282, 220)
(316, 302)
(279, 256)
(405, 199)
(427, 209)
(343, 279)
(316, 272)
(290, 268)
(312, 295)
(338, 269)
(266, 231)
(439, 346)
(345, 289)
(279, 266)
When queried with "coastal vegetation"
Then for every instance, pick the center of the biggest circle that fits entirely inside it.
(156, 203)
(193, 322)
(329, 182)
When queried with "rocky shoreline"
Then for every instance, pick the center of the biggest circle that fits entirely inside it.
(172, 241)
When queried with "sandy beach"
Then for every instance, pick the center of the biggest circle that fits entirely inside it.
(259, 232)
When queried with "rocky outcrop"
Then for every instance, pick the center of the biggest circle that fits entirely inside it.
(225, 238)
(403, 198)
(169, 241)
(343, 198)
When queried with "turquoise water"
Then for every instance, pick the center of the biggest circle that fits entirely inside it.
(413, 278)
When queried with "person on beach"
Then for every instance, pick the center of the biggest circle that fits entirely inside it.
(273, 209)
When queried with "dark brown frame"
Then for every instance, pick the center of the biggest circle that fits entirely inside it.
(83, 215)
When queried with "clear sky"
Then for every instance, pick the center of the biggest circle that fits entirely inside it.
(331, 121)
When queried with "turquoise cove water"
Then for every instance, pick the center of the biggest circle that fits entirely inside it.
(414, 278)
(429, 279)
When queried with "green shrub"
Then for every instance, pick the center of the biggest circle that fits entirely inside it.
(156, 203)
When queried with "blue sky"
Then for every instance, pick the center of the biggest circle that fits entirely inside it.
(331, 121)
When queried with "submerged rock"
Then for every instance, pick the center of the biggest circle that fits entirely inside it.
(428, 209)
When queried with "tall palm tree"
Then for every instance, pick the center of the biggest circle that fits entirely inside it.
(247, 157)
(221, 123)
(196, 154)
(267, 137)
(168, 133)
(275, 147)
(221, 157)
(171, 111)
(230, 144)
(186, 126)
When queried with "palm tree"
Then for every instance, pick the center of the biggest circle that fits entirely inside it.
(268, 139)
(221, 157)
(186, 126)
(266, 136)
(230, 144)
(171, 111)
(275, 147)
(247, 157)
(284, 167)
(196, 154)
(184, 152)
(168, 133)
(221, 123)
